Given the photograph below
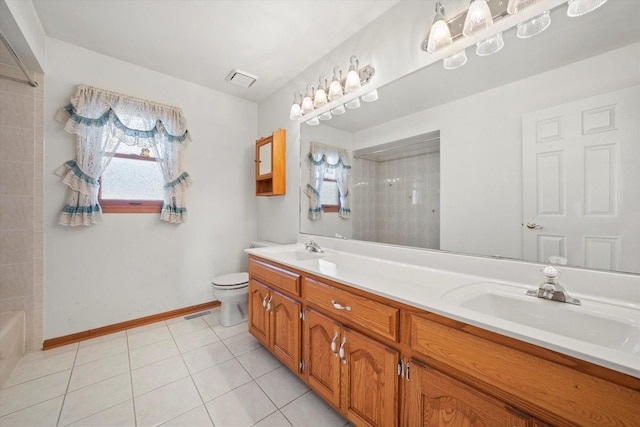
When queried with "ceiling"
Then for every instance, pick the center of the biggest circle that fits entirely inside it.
(201, 41)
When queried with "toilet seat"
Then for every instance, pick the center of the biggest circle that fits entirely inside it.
(231, 281)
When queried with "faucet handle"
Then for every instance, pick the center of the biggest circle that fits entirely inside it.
(550, 272)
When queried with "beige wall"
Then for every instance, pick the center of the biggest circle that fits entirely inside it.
(21, 198)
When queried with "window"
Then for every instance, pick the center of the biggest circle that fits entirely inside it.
(131, 183)
(329, 192)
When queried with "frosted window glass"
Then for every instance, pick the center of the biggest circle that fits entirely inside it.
(129, 179)
(329, 194)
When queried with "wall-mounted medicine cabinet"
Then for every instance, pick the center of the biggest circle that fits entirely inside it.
(271, 165)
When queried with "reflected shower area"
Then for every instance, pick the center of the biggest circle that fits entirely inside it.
(396, 192)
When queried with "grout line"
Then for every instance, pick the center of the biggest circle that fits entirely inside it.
(64, 396)
(133, 398)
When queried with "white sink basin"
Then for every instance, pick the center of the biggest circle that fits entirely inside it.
(612, 326)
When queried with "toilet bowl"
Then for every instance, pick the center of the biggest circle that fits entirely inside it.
(232, 290)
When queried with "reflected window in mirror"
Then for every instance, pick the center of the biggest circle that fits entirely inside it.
(330, 193)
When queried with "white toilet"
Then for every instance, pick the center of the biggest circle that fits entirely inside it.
(232, 290)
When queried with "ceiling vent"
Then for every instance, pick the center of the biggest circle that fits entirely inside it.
(241, 78)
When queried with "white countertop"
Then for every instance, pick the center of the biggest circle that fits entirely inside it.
(438, 291)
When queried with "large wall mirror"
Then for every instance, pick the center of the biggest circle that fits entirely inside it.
(532, 153)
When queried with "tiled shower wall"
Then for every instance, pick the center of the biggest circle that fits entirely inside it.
(397, 201)
(21, 199)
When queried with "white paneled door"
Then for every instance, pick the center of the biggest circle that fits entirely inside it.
(581, 179)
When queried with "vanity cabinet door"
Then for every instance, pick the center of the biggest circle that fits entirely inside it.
(322, 362)
(258, 314)
(284, 330)
(369, 380)
(436, 400)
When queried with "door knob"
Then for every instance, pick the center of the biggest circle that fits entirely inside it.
(533, 225)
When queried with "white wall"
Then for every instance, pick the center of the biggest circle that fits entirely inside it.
(133, 265)
(481, 166)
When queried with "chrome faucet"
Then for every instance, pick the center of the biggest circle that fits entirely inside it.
(313, 246)
(551, 289)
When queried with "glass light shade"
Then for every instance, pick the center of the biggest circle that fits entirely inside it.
(353, 104)
(439, 36)
(370, 96)
(307, 105)
(325, 116)
(516, 6)
(580, 7)
(478, 18)
(534, 26)
(313, 122)
(296, 112)
(320, 99)
(490, 45)
(454, 61)
(338, 110)
(353, 81)
(335, 90)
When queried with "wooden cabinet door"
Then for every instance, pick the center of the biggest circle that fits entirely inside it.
(369, 381)
(284, 329)
(258, 315)
(322, 364)
(436, 400)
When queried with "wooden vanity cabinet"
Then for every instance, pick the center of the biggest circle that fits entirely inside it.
(433, 399)
(353, 372)
(274, 317)
(271, 165)
(452, 374)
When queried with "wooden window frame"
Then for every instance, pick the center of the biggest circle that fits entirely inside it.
(129, 205)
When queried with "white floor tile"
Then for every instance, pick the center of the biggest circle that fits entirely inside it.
(42, 414)
(311, 411)
(213, 318)
(119, 415)
(224, 333)
(207, 356)
(99, 350)
(149, 336)
(166, 403)
(45, 354)
(30, 370)
(198, 417)
(152, 353)
(95, 398)
(146, 327)
(27, 394)
(195, 339)
(99, 370)
(180, 326)
(241, 343)
(220, 379)
(259, 362)
(274, 420)
(282, 386)
(102, 338)
(158, 374)
(243, 406)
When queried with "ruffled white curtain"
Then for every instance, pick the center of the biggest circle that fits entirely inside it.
(320, 158)
(102, 120)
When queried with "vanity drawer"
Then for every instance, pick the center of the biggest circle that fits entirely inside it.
(275, 277)
(369, 314)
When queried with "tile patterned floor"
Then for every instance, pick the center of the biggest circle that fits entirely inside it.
(172, 373)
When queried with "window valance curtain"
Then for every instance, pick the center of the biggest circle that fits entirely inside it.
(102, 120)
(320, 158)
